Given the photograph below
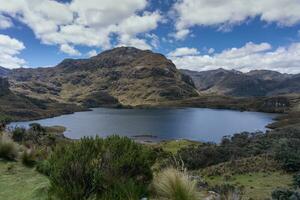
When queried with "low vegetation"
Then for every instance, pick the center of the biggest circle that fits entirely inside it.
(8, 149)
(20, 182)
(172, 184)
(98, 167)
(242, 166)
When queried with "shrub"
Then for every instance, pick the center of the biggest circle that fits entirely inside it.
(125, 191)
(3, 121)
(28, 158)
(288, 154)
(8, 150)
(97, 166)
(204, 155)
(36, 127)
(228, 191)
(18, 134)
(172, 184)
(43, 167)
(285, 194)
(296, 180)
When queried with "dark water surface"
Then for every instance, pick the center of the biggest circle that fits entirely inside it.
(190, 123)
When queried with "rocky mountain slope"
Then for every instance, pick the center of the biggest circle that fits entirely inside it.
(123, 75)
(253, 83)
(4, 71)
(20, 107)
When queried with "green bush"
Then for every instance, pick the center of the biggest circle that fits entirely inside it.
(228, 191)
(18, 134)
(8, 150)
(28, 158)
(96, 167)
(172, 184)
(36, 127)
(296, 180)
(288, 154)
(43, 167)
(285, 194)
(3, 121)
(125, 191)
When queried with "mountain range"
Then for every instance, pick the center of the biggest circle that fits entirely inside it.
(126, 76)
(236, 83)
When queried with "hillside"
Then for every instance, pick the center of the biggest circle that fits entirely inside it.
(20, 107)
(3, 71)
(253, 83)
(123, 75)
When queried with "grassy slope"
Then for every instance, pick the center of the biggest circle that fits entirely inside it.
(256, 185)
(21, 183)
(174, 145)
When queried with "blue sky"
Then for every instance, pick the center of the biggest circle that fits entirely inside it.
(195, 34)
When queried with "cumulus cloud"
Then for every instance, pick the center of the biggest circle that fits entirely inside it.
(225, 14)
(9, 50)
(69, 50)
(91, 53)
(183, 51)
(250, 56)
(5, 22)
(90, 23)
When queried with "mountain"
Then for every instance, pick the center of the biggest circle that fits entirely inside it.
(4, 86)
(4, 71)
(123, 75)
(20, 107)
(253, 83)
(268, 75)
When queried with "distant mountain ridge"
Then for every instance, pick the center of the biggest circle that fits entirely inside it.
(253, 83)
(123, 75)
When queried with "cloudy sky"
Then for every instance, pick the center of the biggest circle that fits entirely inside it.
(195, 34)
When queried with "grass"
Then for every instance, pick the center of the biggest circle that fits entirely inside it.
(171, 184)
(256, 185)
(174, 146)
(18, 182)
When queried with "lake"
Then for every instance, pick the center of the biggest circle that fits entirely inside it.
(199, 124)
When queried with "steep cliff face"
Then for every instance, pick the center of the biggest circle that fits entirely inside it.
(122, 75)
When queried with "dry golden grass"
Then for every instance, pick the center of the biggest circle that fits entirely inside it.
(171, 184)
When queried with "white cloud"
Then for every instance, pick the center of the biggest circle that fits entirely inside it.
(181, 34)
(183, 51)
(90, 22)
(154, 40)
(226, 13)
(5, 22)
(92, 53)
(69, 50)
(128, 40)
(250, 56)
(211, 50)
(9, 50)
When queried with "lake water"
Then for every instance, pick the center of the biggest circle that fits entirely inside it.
(189, 123)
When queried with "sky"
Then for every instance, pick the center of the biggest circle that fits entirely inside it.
(195, 34)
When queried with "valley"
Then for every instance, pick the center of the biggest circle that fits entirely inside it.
(253, 156)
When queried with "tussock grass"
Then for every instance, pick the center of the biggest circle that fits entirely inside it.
(171, 184)
(8, 149)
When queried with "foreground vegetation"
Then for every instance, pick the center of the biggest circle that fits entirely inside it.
(20, 182)
(242, 166)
